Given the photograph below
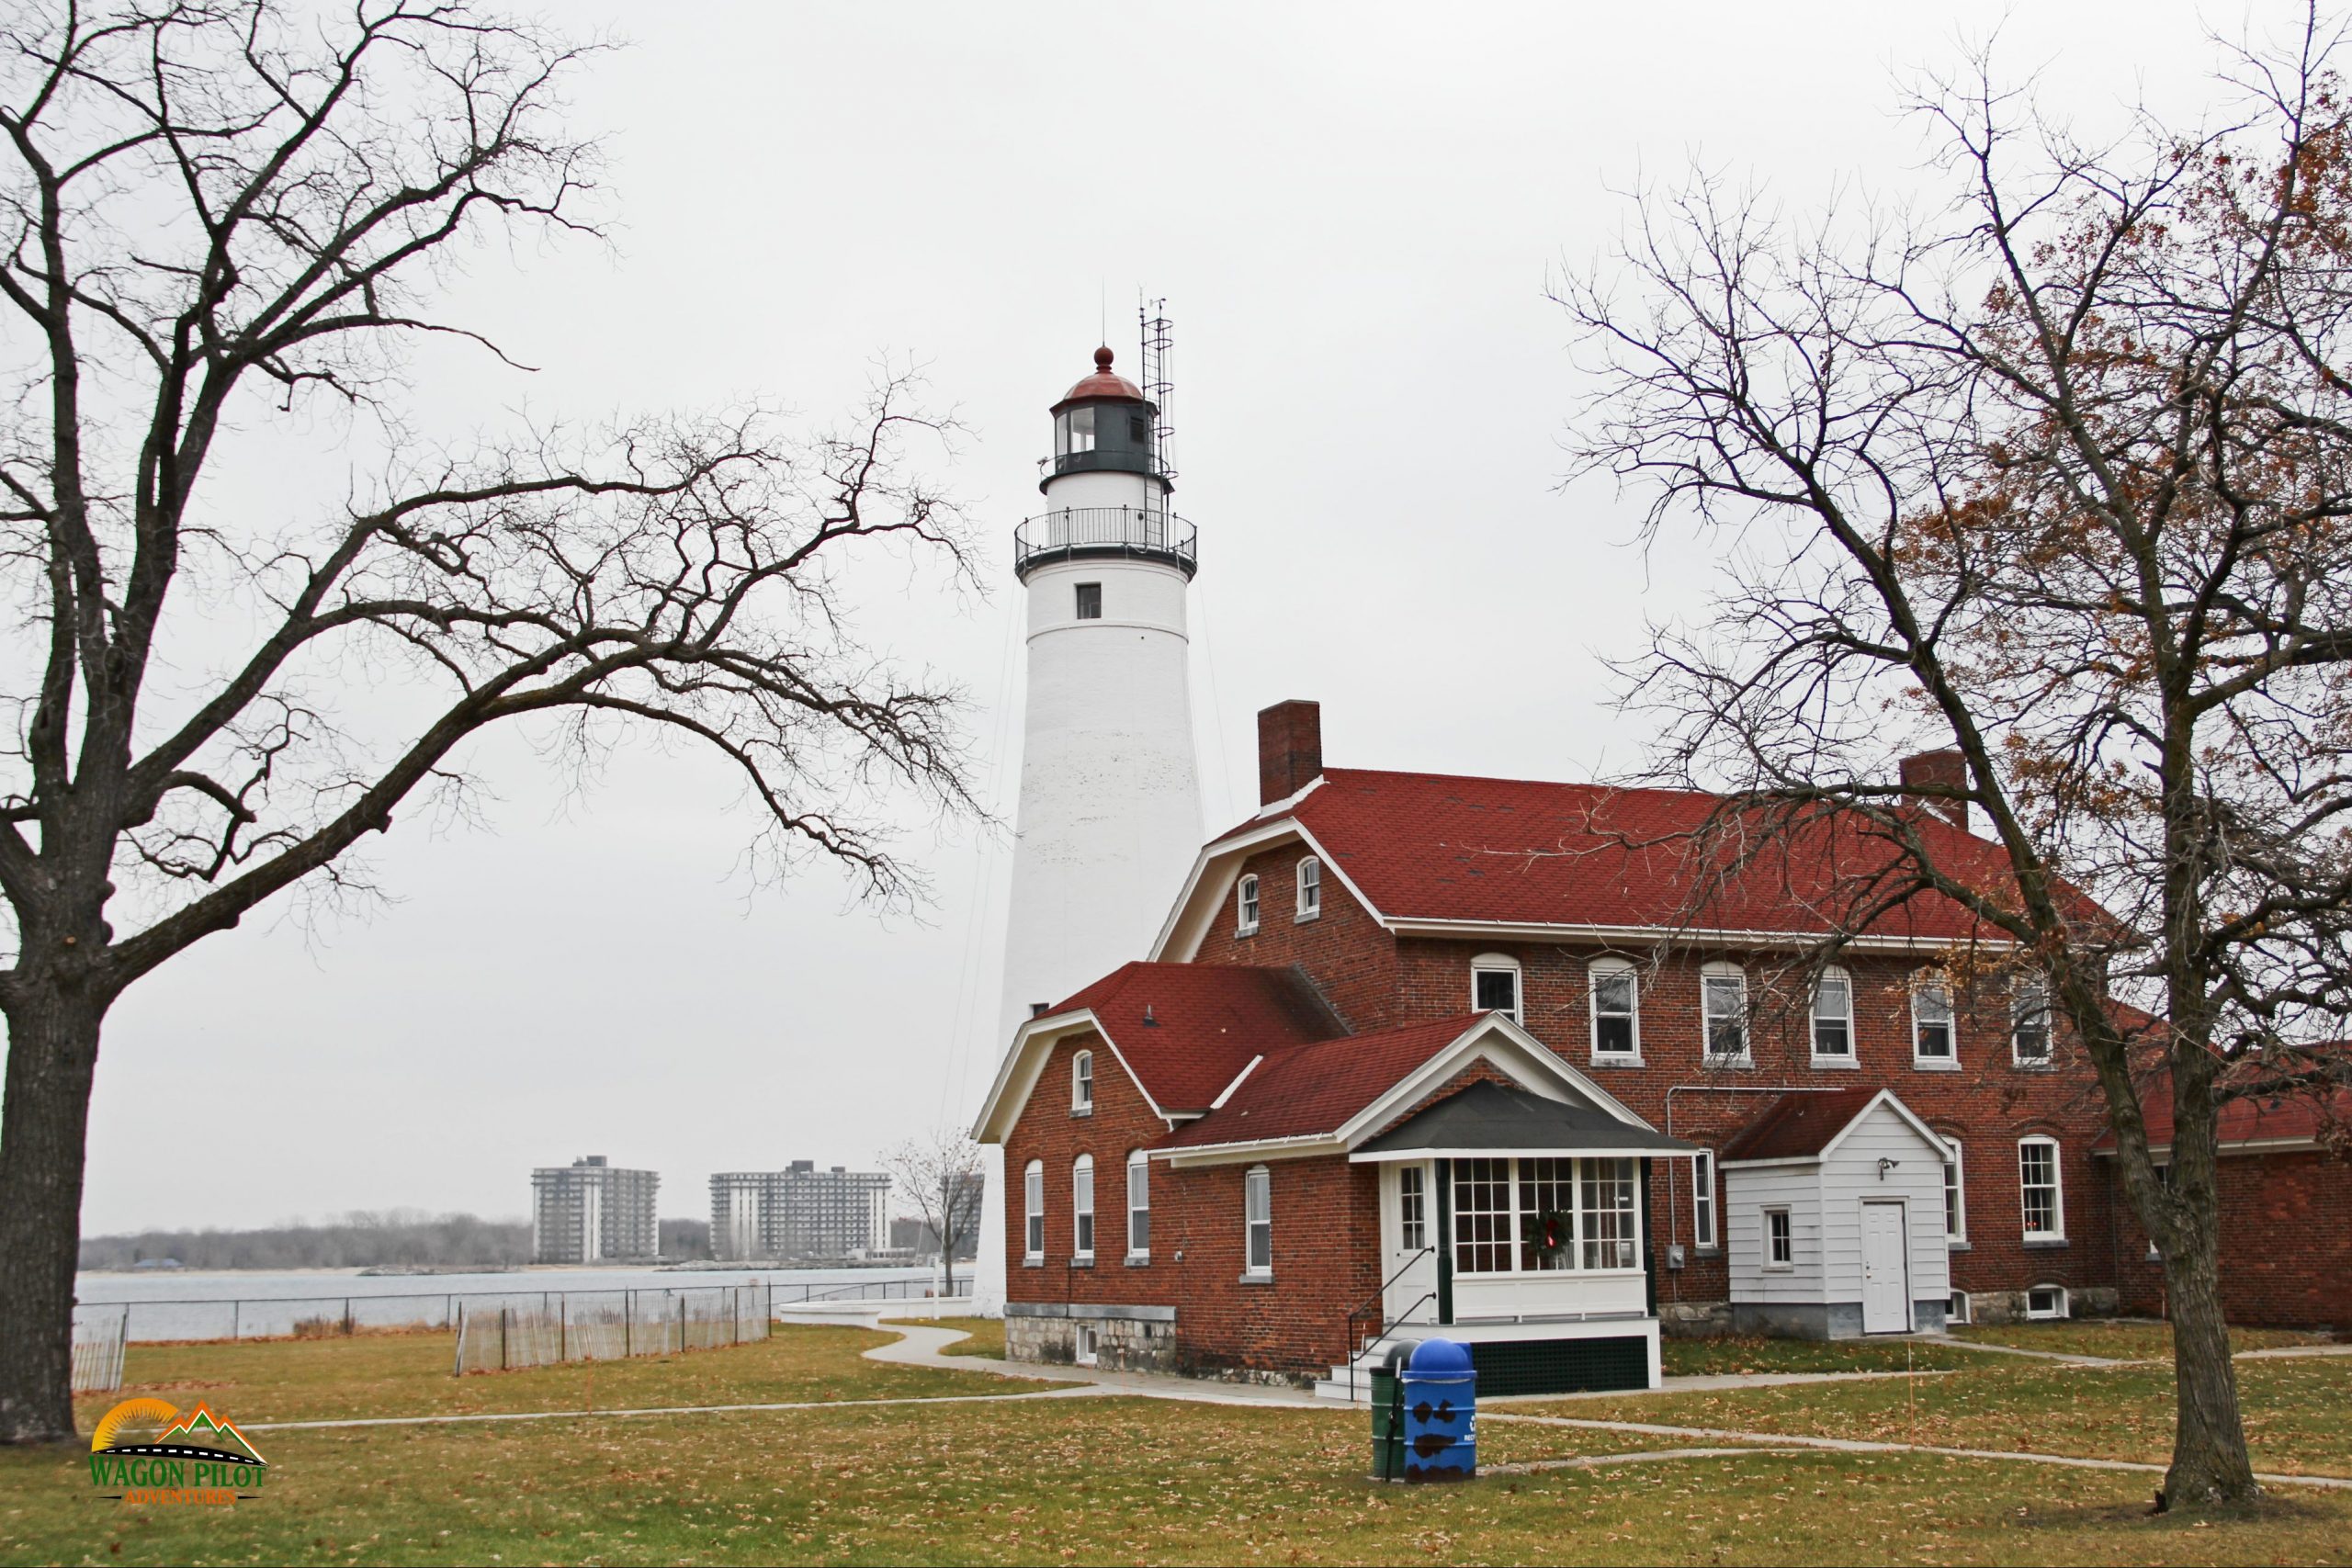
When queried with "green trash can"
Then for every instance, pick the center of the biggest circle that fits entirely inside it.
(1389, 1414)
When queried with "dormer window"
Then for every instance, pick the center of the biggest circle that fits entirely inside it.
(1494, 984)
(1082, 1084)
(1246, 901)
(1310, 889)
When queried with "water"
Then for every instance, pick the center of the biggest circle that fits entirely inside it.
(186, 1303)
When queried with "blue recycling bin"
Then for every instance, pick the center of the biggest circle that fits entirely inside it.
(1439, 1388)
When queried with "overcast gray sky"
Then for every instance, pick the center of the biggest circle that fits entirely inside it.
(1352, 209)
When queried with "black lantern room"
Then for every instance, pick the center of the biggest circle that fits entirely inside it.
(1104, 424)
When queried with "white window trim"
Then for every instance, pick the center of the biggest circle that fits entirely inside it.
(1139, 1162)
(1592, 1011)
(1082, 1084)
(1966, 1313)
(1033, 1210)
(1501, 964)
(1257, 1178)
(2057, 1188)
(1707, 1054)
(1085, 1345)
(1957, 1165)
(1576, 1236)
(1303, 911)
(1082, 1165)
(1420, 1202)
(1245, 906)
(2064, 1304)
(1702, 1200)
(1764, 1237)
(2049, 1057)
(1951, 1030)
(1853, 1056)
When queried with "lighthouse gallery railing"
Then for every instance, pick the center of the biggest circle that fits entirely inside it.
(1079, 531)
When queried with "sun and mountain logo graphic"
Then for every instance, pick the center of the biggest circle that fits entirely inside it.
(194, 1457)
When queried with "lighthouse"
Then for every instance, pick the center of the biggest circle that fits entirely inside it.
(1110, 812)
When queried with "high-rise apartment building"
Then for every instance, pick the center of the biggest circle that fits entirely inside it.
(799, 1211)
(589, 1210)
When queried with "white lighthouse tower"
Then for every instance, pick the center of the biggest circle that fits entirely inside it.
(1110, 812)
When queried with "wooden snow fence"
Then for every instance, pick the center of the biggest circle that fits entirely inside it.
(608, 1326)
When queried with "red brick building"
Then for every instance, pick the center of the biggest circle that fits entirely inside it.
(1420, 1053)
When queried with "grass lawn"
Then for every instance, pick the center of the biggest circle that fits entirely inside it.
(408, 1374)
(2119, 1340)
(983, 1336)
(1099, 1481)
(1709, 1358)
(1121, 1480)
(2298, 1413)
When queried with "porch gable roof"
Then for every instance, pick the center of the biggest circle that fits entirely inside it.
(1486, 1118)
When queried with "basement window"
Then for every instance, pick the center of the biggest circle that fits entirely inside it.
(1956, 1309)
(2046, 1301)
(1090, 601)
(1085, 1345)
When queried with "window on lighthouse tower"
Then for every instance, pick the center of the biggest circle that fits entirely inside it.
(1075, 432)
(1090, 601)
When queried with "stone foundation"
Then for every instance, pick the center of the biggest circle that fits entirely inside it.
(1695, 1320)
(2008, 1306)
(1126, 1338)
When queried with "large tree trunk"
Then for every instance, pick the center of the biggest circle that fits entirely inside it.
(44, 1128)
(2210, 1464)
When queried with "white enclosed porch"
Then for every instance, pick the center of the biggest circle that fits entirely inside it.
(1516, 1224)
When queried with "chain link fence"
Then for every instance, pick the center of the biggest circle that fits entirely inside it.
(603, 1325)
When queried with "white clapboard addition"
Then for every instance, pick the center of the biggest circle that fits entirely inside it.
(1110, 811)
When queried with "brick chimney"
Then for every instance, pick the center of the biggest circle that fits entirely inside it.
(1946, 769)
(1290, 749)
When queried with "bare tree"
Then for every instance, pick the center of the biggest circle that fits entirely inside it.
(940, 1174)
(2057, 475)
(222, 220)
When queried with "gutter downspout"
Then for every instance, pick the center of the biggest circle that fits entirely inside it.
(1444, 1240)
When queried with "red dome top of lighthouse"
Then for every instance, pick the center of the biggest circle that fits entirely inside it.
(1103, 383)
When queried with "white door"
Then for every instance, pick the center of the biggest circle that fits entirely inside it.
(1409, 1237)
(1886, 1286)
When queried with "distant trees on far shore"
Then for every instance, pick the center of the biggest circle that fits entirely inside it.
(355, 1240)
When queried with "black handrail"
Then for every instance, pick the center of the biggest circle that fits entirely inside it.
(1355, 1341)
(1148, 532)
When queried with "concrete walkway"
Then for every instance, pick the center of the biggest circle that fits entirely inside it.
(1768, 1441)
(922, 1347)
(2069, 1357)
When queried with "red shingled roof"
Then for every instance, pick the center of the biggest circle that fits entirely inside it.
(1207, 1020)
(2262, 1120)
(1310, 1090)
(1430, 846)
(1796, 1125)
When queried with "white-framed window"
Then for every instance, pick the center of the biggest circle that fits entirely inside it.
(1085, 1345)
(1081, 1207)
(1956, 1309)
(2046, 1301)
(1412, 1207)
(2040, 1193)
(1494, 984)
(1310, 889)
(1702, 1198)
(1723, 989)
(1615, 990)
(1955, 1192)
(1245, 899)
(1543, 1214)
(1932, 1044)
(2029, 1023)
(1074, 432)
(1780, 1240)
(1258, 1221)
(1833, 1019)
(1081, 1083)
(1032, 1200)
(1138, 1205)
(1090, 601)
